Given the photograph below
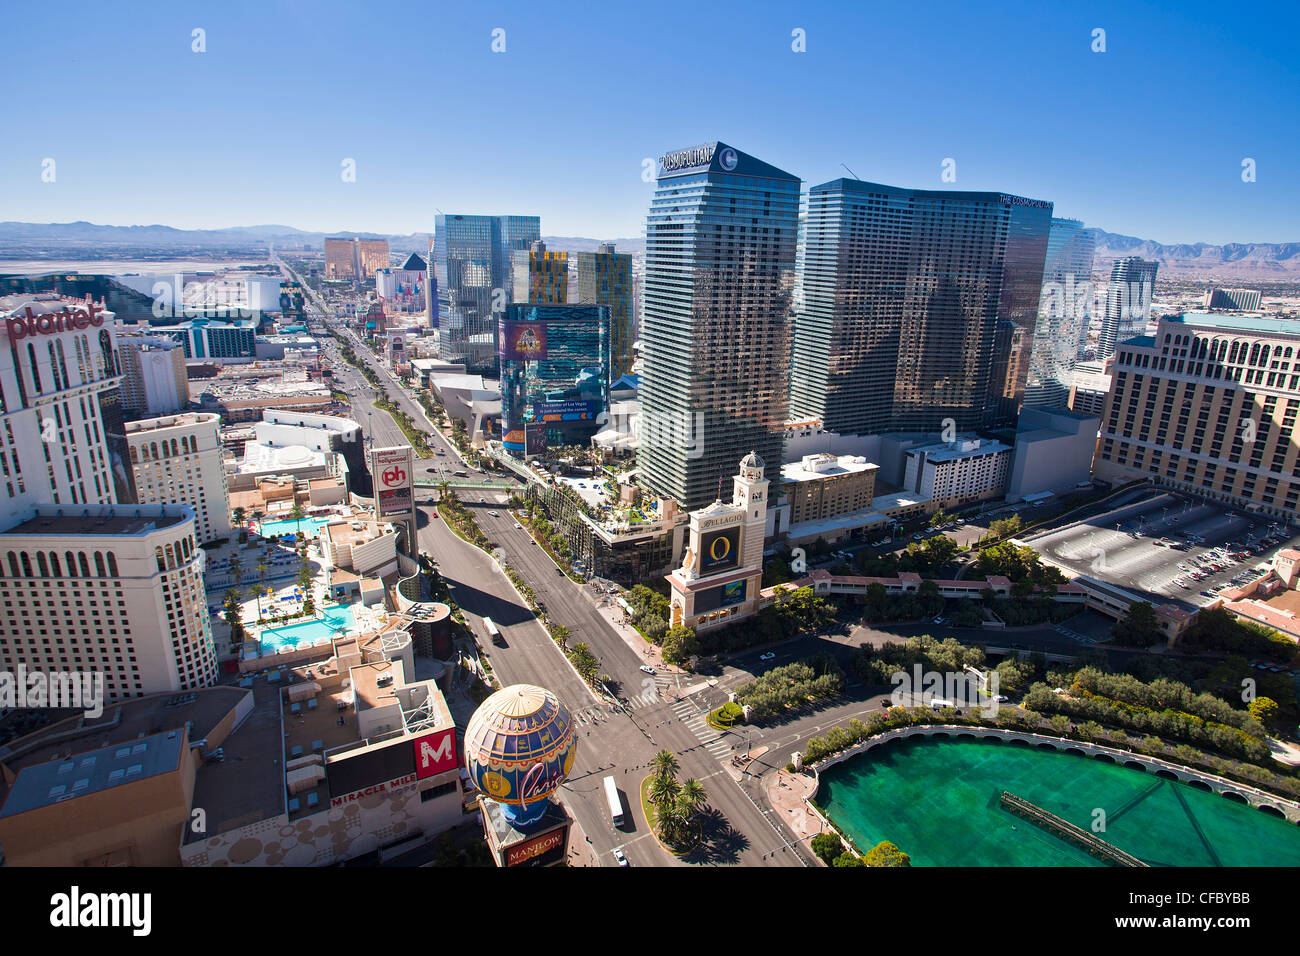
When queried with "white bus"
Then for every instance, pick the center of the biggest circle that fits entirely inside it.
(615, 804)
(493, 631)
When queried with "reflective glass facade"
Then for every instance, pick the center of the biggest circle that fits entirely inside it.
(1128, 302)
(719, 280)
(471, 259)
(1064, 309)
(916, 306)
(605, 278)
(555, 374)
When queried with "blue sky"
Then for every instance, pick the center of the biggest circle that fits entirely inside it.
(1146, 138)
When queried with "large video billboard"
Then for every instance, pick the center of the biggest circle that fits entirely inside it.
(572, 411)
(719, 550)
(394, 477)
(722, 596)
(523, 341)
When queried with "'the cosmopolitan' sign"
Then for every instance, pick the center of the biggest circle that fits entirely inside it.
(687, 158)
(48, 323)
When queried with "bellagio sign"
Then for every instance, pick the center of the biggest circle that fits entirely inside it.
(47, 323)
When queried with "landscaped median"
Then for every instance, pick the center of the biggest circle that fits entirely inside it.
(463, 525)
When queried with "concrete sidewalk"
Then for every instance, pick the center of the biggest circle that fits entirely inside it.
(788, 793)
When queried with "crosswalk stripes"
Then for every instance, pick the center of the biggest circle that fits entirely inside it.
(713, 740)
(1082, 638)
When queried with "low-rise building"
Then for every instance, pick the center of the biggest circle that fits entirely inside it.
(1053, 452)
(957, 473)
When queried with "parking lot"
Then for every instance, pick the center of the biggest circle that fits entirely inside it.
(1167, 546)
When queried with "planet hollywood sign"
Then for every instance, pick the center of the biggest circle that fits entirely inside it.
(48, 323)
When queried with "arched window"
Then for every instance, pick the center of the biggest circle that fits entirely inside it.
(135, 458)
(153, 450)
(42, 565)
(1263, 357)
(112, 565)
(175, 450)
(99, 565)
(171, 556)
(27, 564)
(54, 564)
(36, 369)
(81, 562)
(13, 565)
(106, 349)
(1254, 354)
(71, 562)
(158, 555)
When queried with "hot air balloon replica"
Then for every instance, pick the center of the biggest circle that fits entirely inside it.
(519, 748)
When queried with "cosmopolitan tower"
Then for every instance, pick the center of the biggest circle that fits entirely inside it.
(719, 276)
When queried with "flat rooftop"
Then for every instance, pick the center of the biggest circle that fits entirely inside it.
(122, 723)
(813, 467)
(41, 785)
(116, 520)
(171, 421)
(1244, 323)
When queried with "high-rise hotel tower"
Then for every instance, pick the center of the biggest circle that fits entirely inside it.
(917, 306)
(88, 584)
(471, 265)
(719, 279)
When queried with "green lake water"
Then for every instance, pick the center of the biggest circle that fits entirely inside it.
(937, 799)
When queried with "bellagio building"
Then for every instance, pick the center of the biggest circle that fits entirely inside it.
(1209, 404)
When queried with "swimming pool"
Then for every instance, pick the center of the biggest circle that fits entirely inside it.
(938, 801)
(309, 526)
(334, 619)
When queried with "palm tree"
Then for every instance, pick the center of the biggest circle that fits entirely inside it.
(239, 517)
(233, 615)
(260, 591)
(297, 513)
(691, 797)
(664, 764)
(262, 568)
(237, 569)
(664, 794)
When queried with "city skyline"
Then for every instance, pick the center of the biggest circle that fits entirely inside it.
(293, 173)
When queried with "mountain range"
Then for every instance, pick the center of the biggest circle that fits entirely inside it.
(1254, 261)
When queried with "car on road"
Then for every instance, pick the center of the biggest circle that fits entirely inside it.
(1002, 698)
(646, 668)
(518, 526)
(494, 514)
(770, 655)
(618, 855)
(559, 571)
(937, 620)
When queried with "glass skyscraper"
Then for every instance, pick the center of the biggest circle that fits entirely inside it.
(605, 277)
(555, 374)
(1064, 309)
(471, 266)
(719, 279)
(917, 306)
(1128, 302)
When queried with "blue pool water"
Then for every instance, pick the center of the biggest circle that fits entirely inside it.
(309, 526)
(276, 639)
